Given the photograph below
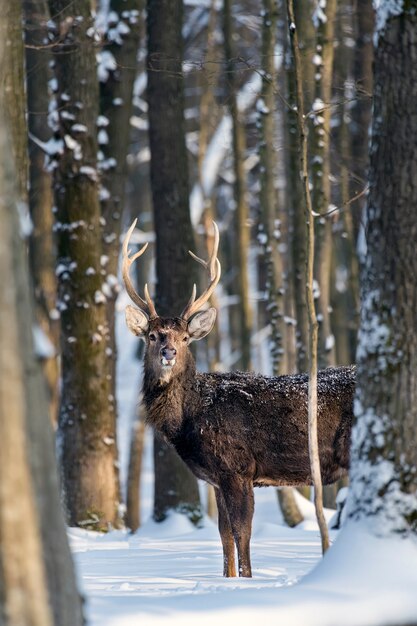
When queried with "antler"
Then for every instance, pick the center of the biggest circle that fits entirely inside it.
(147, 306)
(214, 271)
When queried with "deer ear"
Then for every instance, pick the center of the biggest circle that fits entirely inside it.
(201, 324)
(137, 321)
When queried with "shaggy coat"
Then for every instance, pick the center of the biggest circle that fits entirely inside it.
(239, 430)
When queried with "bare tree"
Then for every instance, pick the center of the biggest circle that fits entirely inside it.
(87, 414)
(175, 486)
(383, 470)
(324, 19)
(133, 491)
(242, 210)
(313, 326)
(269, 229)
(37, 582)
(269, 233)
(361, 111)
(297, 231)
(41, 246)
(118, 64)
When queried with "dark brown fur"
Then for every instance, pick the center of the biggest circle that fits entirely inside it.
(241, 430)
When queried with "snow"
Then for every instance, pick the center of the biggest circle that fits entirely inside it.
(319, 14)
(25, 220)
(99, 297)
(169, 574)
(384, 9)
(44, 348)
(89, 171)
(106, 63)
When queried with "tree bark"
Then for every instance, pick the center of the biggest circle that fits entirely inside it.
(269, 233)
(87, 429)
(297, 231)
(133, 511)
(41, 246)
(384, 440)
(312, 319)
(289, 507)
(23, 586)
(320, 175)
(361, 110)
(116, 104)
(37, 582)
(175, 486)
(241, 206)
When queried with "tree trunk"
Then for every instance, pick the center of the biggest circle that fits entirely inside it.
(297, 230)
(41, 246)
(269, 234)
(384, 440)
(312, 319)
(361, 110)
(320, 175)
(241, 206)
(116, 96)
(289, 507)
(175, 486)
(37, 581)
(23, 586)
(133, 512)
(87, 429)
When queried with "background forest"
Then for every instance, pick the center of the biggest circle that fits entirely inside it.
(176, 113)
(213, 101)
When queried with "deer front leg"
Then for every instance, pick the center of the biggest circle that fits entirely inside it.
(238, 497)
(226, 535)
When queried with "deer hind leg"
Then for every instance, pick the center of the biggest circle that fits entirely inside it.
(238, 496)
(226, 535)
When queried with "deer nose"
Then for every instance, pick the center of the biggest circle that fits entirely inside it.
(169, 353)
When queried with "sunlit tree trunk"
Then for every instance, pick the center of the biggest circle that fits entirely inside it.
(312, 318)
(87, 429)
(23, 585)
(37, 582)
(133, 504)
(384, 440)
(176, 488)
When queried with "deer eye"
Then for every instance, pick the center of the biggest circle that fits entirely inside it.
(185, 338)
(152, 337)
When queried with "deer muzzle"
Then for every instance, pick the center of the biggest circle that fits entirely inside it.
(168, 357)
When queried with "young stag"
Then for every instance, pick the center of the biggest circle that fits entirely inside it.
(237, 431)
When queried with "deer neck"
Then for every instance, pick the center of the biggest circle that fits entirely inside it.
(165, 401)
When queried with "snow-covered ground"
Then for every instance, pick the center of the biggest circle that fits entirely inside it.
(170, 573)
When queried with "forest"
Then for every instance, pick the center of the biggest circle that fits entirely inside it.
(276, 141)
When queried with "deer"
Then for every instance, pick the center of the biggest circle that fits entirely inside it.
(235, 430)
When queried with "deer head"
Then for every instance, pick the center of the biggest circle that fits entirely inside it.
(167, 338)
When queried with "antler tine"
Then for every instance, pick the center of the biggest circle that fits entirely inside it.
(192, 298)
(213, 258)
(148, 305)
(214, 270)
